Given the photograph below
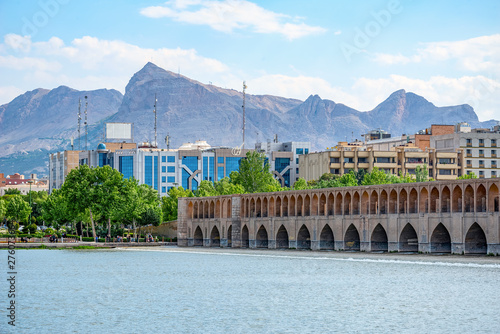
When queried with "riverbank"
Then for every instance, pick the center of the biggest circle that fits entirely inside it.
(71, 245)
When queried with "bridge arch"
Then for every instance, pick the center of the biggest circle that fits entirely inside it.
(475, 240)
(245, 242)
(383, 202)
(355, 204)
(326, 239)
(440, 240)
(362, 203)
(434, 207)
(393, 201)
(300, 204)
(403, 201)
(494, 200)
(445, 199)
(282, 238)
(212, 209)
(292, 206)
(258, 208)
(469, 199)
(261, 239)
(379, 240)
(408, 239)
(198, 237)
(229, 211)
(323, 209)
(347, 203)
(456, 199)
(285, 207)
(314, 206)
(307, 206)
(481, 199)
(423, 204)
(206, 212)
(413, 201)
(264, 207)
(303, 238)
(195, 210)
(331, 205)
(272, 209)
(278, 206)
(230, 236)
(374, 209)
(190, 210)
(351, 238)
(338, 204)
(215, 237)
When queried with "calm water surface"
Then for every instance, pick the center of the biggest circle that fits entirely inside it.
(172, 290)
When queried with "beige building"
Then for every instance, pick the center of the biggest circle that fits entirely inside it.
(404, 159)
(60, 164)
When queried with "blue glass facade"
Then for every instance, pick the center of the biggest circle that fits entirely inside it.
(171, 179)
(126, 166)
(211, 169)
(148, 171)
(163, 159)
(205, 168)
(163, 179)
(103, 159)
(281, 163)
(220, 173)
(191, 163)
(155, 171)
(220, 160)
(163, 189)
(171, 169)
(185, 177)
(232, 164)
(171, 158)
(163, 169)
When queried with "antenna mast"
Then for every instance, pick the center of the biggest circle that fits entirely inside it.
(79, 121)
(244, 87)
(155, 144)
(86, 123)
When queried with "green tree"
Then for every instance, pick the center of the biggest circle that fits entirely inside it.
(169, 203)
(55, 210)
(360, 175)
(376, 176)
(12, 191)
(253, 173)
(421, 174)
(18, 210)
(205, 189)
(3, 209)
(472, 175)
(300, 184)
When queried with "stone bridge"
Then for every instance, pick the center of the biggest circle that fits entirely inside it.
(459, 216)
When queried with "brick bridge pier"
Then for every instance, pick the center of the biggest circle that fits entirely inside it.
(459, 216)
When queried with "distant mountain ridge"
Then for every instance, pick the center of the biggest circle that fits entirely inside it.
(42, 121)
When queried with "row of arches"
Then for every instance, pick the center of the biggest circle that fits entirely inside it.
(204, 209)
(440, 241)
(458, 198)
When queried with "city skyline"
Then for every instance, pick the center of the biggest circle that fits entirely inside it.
(351, 53)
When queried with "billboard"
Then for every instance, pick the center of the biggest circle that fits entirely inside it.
(119, 131)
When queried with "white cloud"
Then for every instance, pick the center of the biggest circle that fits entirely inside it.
(474, 54)
(229, 15)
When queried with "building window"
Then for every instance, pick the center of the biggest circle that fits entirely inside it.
(362, 160)
(334, 160)
(481, 163)
(163, 179)
(493, 164)
(493, 153)
(445, 172)
(171, 179)
(335, 171)
(445, 161)
(469, 152)
(232, 164)
(415, 160)
(306, 151)
(481, 153)
(220, 173)
(296, 171)
(163, 189)
(469, 163)
(155, 171)
(171, 158)
(297, 161)
(126, 166)
(348, 160)
(163, 169)
(171, 169)
(220, 160)
(493, 173)
(102, 159)
(481, 173)
(469, 142)
(168, 188)
(148, 170)
(481, 142)
(163, 159)
(383, 160)
(493, 143)
(191, 163)
(299, 151)
(281, 163)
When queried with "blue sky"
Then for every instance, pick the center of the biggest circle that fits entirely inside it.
(351, 52)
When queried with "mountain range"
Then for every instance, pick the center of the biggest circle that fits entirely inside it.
(42, 121)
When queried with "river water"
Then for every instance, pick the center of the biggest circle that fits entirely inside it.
(195, 290)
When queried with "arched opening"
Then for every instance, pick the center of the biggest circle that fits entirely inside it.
(212, 209)
(284, 207)
(493, 199)
(303, 238)
(445, 199)
(314, 206)
(252, 208)
(347, 204)
(403, 201)
(440, 240)
(262, 240)
(198, 237)
(217, 209)
(374, 203)
(190, 210)
(258, 208)
(330, 205)
(338, 204)
(300, 203)
(424, 201)
(307, 205)
(278, 206)
(292, 206)
(206, 212)
(383, 202)
(323, 210)
(408, 240)
(481, 199)
(215, 237)
(326, 240)
(351, 239)
(364, 203)
(434, 200)
(282, 238)
(413, 201)
(355, 204)
(456, 199)
(195, 210)
(244, 237)
(379, 241)
(272, 212)
(475, 240)
(230, 236)
(264, 207)
(393, 202)
(469, 199)
(229, 209)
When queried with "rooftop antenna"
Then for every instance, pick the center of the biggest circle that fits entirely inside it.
(244, 87)
(72, 143)
(79, 121)
(167, 141)
(86, 123)
(275, 137)
(156, 145)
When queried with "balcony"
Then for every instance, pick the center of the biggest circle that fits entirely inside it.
(348, 165)
(481, 176)
(481, 165)
(481, 144)
(469, 155)
(469, 165)
(469, 144)
(493, 155)
(335, 165)
(481, 155)
(446, 166)
(493, 144)
(363, 165)
(385, 165)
